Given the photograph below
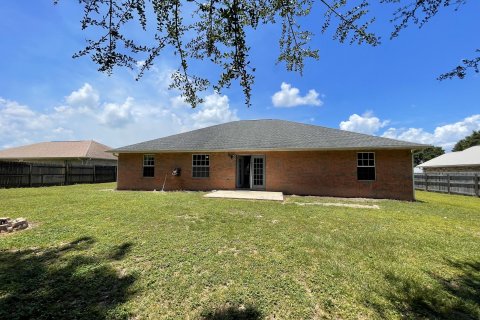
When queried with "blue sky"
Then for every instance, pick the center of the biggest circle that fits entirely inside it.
(390, 90)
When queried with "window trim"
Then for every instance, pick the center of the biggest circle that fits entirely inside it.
(200, 166)
(368, 166)
(148, 165)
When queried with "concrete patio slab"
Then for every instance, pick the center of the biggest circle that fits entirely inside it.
(246, 194)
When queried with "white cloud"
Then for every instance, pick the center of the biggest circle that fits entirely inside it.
(117, 115)
(111, 122)
(85, 97)
(289, 96)
(445, 136)
(17, 122)
(215, 110)
(178, 102)
(458, 130)
(366, 123)
(411, 134)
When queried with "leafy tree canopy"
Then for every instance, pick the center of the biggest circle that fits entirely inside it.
(467, 142)
(427, 154)
(215, 31)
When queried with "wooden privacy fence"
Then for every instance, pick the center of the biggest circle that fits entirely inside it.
(20, 174)
(456, 183)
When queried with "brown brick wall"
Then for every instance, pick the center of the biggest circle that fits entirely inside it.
(130, 172)
(325, 173)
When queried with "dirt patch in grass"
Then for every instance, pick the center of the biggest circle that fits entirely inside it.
(338, 204)
(295, 198)
(356, 203)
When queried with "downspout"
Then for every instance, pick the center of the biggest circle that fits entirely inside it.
(116, 167)
(413, 176)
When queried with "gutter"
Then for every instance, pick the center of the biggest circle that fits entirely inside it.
(451, 165)
(416, 147)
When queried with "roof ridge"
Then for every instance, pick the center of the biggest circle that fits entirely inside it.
(213, 126)
(88, 147)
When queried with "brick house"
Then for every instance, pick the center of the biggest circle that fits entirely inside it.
(271, 155)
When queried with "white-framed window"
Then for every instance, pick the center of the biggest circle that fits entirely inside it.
(366, 166)
(200, 166)
(148, 165)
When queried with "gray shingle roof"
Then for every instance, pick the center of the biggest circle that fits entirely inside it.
(266, 135)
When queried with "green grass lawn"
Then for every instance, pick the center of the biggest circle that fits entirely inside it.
(97, 254)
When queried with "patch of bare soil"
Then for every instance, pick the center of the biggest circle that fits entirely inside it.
(338, 199)
(338, 204)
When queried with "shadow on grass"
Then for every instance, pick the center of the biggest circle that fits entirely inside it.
(64, 282)
(121, 250)
(449, 298)
(232, 312)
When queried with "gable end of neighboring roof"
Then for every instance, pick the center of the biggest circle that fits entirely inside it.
(266, 135)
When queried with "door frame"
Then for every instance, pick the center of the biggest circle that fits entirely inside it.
(252, 170)
(252, 156)
(238, 172)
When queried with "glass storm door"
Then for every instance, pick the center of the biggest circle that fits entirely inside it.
(257, 175)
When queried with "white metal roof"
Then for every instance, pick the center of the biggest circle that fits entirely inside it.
(467, 157)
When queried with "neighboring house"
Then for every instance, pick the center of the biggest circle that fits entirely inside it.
(62, 152)
(272, 155)
(467, 160)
